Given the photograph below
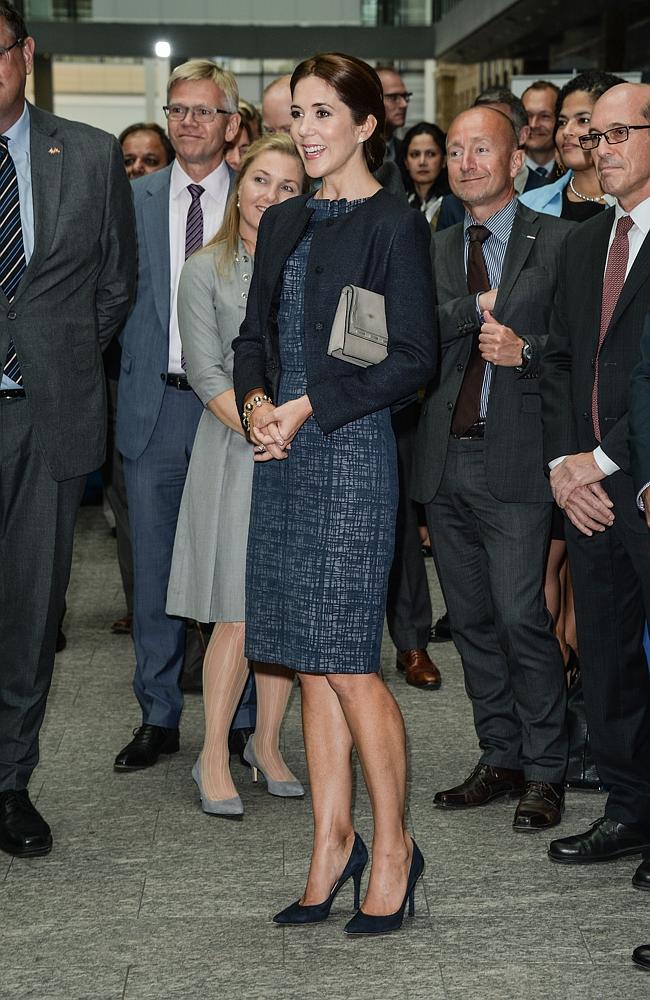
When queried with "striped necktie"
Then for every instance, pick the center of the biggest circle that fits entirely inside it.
(194, 227)
(12, 251)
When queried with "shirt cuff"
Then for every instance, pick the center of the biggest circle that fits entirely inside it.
(639, 501)
(556, 461)
(478, 311)
(605, 463)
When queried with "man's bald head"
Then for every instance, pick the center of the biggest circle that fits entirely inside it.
(482, 160)
(276, 105)
(623, 168)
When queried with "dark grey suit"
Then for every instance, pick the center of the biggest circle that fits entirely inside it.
(71, 300)
(640, 415)
(489, 506)
(611, 569)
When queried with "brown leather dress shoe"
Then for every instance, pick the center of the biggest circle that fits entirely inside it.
(484, 784)
(540, 807)
(418, 668)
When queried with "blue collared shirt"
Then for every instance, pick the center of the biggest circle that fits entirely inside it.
(19, 150)
(494, 251)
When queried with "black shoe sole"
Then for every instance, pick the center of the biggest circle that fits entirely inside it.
(536, 829)
(622, 853)
(36, 852)
(439, 638)
(513, 794)
(641, 886)
(641, 964)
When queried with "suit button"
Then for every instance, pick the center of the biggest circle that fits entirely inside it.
(586, 416)
(246, 277)
(244, 295)
(163, 376)
(11, 315)
(319, 269)
(450, 406)
(459, 368)
(318, 326)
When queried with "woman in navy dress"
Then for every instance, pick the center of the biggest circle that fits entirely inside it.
(325, 485)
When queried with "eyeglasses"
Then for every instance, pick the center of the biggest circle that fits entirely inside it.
(178, 113)
(613, 135)
(402, 95)
(4, 52)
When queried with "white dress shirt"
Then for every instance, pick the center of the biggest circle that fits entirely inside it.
(641, 218)
(548, 167)
(213, 205)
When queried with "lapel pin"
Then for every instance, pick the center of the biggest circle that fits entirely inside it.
(527, 236)
(54, 150)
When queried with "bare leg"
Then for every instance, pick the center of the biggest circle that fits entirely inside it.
(225, 670)
(377, 729)
(328, 746)
(273, 685)
(552, 586)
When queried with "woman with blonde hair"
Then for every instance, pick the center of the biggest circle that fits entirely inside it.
(207, 576)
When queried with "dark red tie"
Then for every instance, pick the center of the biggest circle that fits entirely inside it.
(617, 259)
(468, 402)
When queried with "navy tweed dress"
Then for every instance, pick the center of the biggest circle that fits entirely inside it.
(322, 522)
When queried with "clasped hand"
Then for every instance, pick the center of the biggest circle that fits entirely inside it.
(273, 428)
(499, 344)
(575, 483)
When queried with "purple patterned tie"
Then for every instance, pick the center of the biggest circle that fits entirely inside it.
(12, 251)
(193, 230)
(194, 227)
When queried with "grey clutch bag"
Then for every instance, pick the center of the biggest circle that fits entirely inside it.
(359, 333)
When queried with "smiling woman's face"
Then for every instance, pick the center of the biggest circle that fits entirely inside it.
(323, 129)
(572, 122)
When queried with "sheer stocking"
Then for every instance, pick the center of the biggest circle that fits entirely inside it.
(225, 670)
(273, 685)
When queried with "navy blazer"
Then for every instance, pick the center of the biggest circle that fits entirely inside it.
(383, 246)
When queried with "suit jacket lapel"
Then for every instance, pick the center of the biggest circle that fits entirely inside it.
(46, 159)
(155, 217)
(522, 239)
(456, 260)
(595, 259)
(638, 274)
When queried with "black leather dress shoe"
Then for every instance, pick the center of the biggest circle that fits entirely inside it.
(641, 956)
(540, 807)
(441, 631)
(484, 784)
(237, 740)
(23, 831)
(145, 748)
(641, 877)
(605, 840)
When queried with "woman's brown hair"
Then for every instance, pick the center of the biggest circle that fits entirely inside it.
(227, 236)
(358, 86)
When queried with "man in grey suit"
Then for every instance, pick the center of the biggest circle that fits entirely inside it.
(479, 470)
(177, 209)
(67, 271)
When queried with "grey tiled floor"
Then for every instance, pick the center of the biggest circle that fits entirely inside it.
(145, 897)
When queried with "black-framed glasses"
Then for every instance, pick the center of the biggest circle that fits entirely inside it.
(5, 50)
(621, 133)
(179, 112)
(402, 95)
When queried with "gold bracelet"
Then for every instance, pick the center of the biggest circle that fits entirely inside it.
(257, 400)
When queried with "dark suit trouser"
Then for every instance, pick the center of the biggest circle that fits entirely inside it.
(37, 518)
(408, 605)
(490, 557)
(154, 484)
(115, 489)
(611, 584)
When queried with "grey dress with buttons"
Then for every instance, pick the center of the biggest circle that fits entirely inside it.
(207, 577)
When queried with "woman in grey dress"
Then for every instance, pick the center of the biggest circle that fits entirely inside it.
(325, 484)
(207, 575)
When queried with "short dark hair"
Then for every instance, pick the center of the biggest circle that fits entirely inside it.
(542, 85)
(149, 127)
(14, 21)
(501, 95)
(358, 86)
(594, 82)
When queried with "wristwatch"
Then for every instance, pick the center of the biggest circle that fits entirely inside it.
(526, 353)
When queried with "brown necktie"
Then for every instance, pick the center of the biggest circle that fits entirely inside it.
(468, 402)
(613, 282)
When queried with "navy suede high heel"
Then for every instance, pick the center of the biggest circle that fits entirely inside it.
(299, 914)
(366, 923)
